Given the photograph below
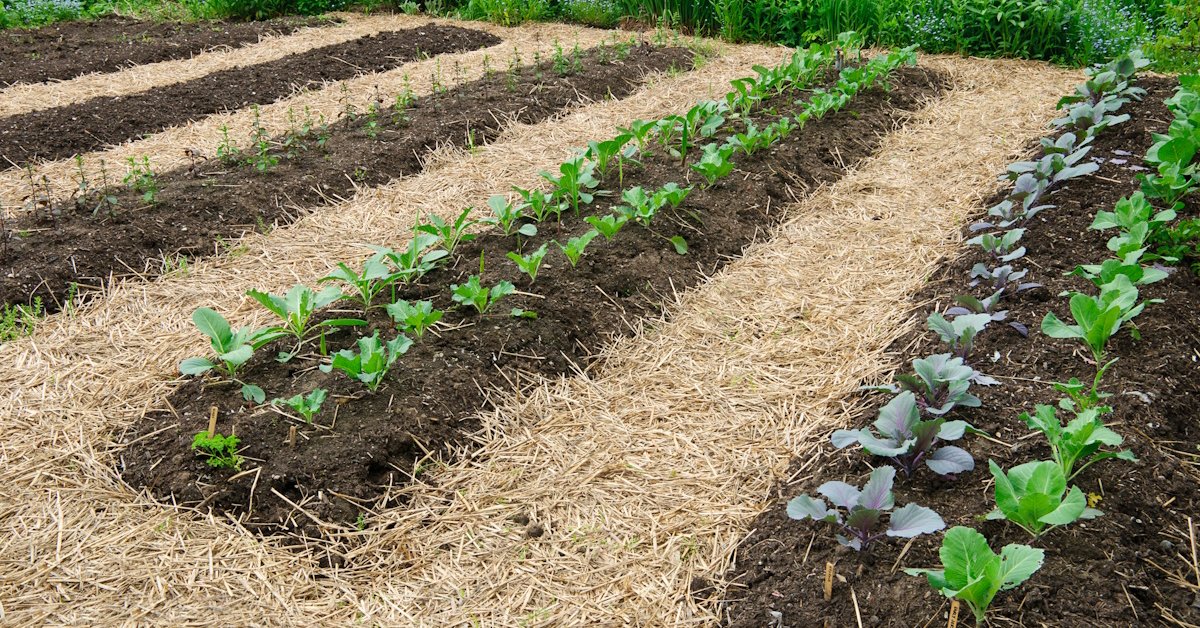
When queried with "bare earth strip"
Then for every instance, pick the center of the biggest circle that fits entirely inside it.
(76, 546)
(26, 97)
(166, 149)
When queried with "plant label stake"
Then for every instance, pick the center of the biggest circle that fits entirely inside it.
(828, 580)
(953, 621)
(212, 421)
(292, 436)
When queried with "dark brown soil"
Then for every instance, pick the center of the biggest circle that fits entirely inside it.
(65, 50)
(75, 244)
(433, 394)
(1096, 573)
(90, 125)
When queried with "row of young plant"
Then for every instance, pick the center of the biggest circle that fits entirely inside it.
(574, 186)
(912, 429)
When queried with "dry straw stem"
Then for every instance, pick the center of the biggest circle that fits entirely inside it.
(77, 546)
(167, 148)
(26, 97)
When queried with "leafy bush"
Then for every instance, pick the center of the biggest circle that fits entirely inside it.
(507, 12)
(265, 9)
(220, 449)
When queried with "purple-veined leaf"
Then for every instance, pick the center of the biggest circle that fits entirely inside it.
(913, 520)
(950, 460)
(877, 493)
(805, 507)
(841, 494)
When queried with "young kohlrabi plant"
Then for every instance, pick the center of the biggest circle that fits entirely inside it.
(306, 406)
(716, 162)
(1079, 440)
(220, 449)
(940, 384)
(506, 215)
(908, 441)
(371, 362)
(574, 247)
(609, 225)
(414, 318)
(475, 295)
(862, 523)
(973, 573)
(960, 333)
(1034, 496)
(530, 262)
(232, 348)
(297, 307)
(449, 235)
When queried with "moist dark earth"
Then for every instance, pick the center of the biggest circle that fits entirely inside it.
(84, 241)
(365, 443)
(77, 128)
(1096, 573)
(65, 50)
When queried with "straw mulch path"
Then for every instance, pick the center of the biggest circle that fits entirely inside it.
(77, 546)
(166, 149)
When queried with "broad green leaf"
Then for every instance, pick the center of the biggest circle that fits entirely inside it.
(213, 325)
(195, 366)
(1069, 510)
(1017, 564)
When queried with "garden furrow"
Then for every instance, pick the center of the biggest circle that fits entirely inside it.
(57, 180)
(81, 378)
(641, 479)
(82, 127)
(265, 182)
(85, 76)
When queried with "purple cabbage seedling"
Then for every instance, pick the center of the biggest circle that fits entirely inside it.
(908, 441)
(940, 384)
(959, 334)
(989, 305)
(1002, 247)
(862, 523)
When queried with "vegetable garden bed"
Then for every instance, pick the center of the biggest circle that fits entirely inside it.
(83, 127)
(1127, 567)
(343, 463)
(65, 50)
(111, 230)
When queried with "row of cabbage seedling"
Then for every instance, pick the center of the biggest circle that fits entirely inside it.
(912, 428)
(575, 185)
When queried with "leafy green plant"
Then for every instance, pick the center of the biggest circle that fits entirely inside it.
(220, 449)
(1034, 496)
(1079, 440)
(715, 163)
(231, 348)
(862, 523)
(297, 307)
(371, 362)
(141, 179)
(449, 234)
(1097, 318)
(575, 182)
(475, 295)
(530, 262)
(306, 406)
(575, 247)
(609, 225)
(1002, 247)
(973, 573)
(260, 141)
(227, 151)
(414, 318)
(908, 441)
(506, 215)
(603, 153)
(539, 204)
(374, 277)
(418, 258)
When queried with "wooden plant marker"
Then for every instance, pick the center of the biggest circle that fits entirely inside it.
(953, 621)
(292, 436)
(828, 580)
(212, 421)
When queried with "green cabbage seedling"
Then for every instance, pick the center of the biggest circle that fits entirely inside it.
(715, 163)
(609, 225)
(221, 450)
(474, 294)
(417, 259)
(1034, 496)
(414, 318)
(1098, 318)
(449, 235)
(574, 247)
(973, 573)
(530, 262)
(305, 405)
(374, 277)
(540, 204)
(297, 307)
(1077, 441)
(506, 215)
(371, 362)
(232, 348)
